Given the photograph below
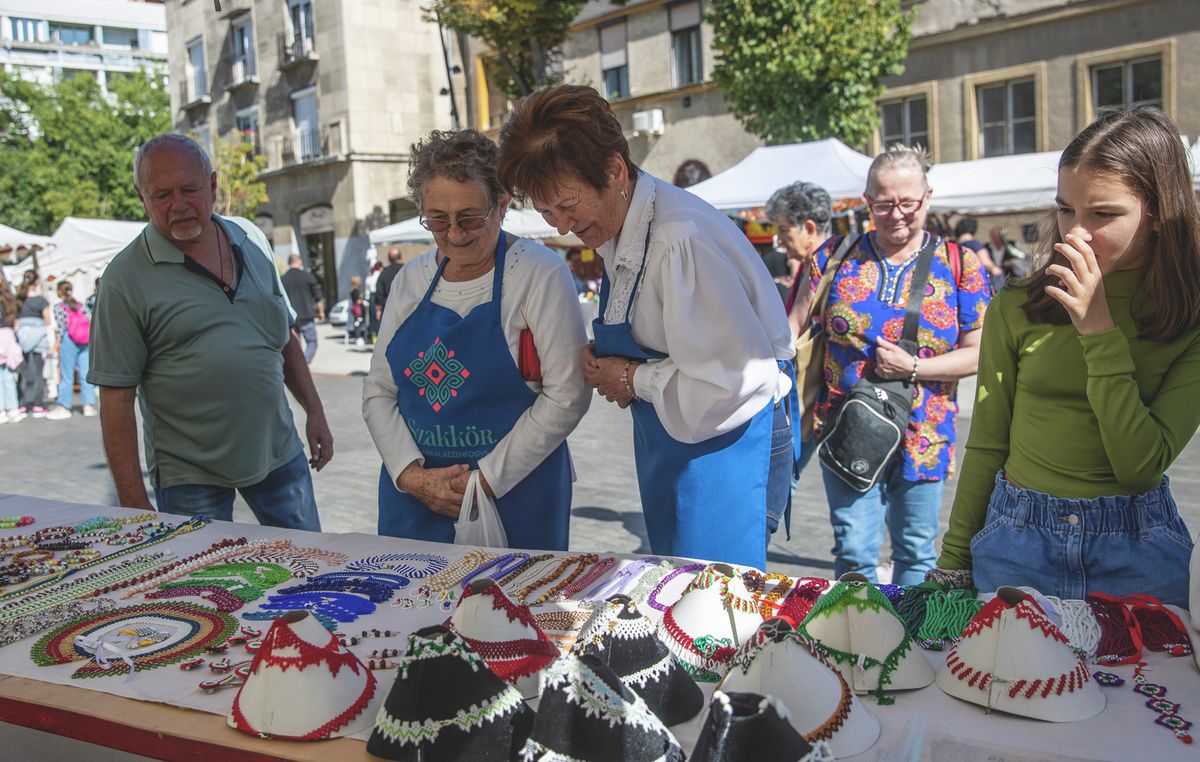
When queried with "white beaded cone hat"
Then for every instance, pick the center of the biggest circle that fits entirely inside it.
(780, 663)
(1011, 657)
(857, 628)
(505, 634)
(303, 685)
(712, 619)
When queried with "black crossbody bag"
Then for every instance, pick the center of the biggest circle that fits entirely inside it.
(870, 426)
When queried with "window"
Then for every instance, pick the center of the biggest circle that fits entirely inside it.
(202, 134)
(302, 26)
(905, 120)
(1007, 118)
(247, 125)
(304, 116)
(79, 74)
(1126, 83)
(25, 30)
(243, 51)
(614, 65)
(685, 43)
(125, 39)
(69, 34)
(197, 78)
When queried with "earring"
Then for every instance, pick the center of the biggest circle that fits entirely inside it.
(624, 195)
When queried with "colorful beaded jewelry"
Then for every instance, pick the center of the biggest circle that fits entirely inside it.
(652, 599)
(28, 625)
(12, 522)
(1168, 712)
(518, 574)
(450, 576)
(342, 607)
(219, 555)
(593, 573)
(500, 566)
(80, 587)
(218, 596)
(648, 580)
(583, 562)
(411, 565)
(375, 593)
(380, 579)
(353, 640)
(620, 582)
(1108, 679)
(756, 582)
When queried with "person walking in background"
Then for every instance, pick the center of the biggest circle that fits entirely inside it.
(304, 292)
(1088, 380)
(864, 316)
(1004, 252)
(964, 235)
(194, 323)
(10, 355)
(383, 286)
(372, 285)
(357, 324)
(802, 214)
(690, 336)
(72, 322)
(33, 335)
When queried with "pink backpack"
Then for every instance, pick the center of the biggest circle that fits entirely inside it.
(79, 327)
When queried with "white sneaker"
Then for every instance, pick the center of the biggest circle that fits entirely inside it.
(4, 417)
(89, 411)
(16, 415)
(59, 413)
(359, 342)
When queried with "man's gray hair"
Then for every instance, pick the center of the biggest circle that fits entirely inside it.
(802, 201)
(899, 155)
(170, 139)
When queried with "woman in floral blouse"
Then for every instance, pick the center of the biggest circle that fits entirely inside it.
(863, 319)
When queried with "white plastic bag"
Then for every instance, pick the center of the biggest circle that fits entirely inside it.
(479, 522)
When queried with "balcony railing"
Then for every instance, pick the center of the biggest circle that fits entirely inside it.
(193, 92)
(306, 146)
(295, 49)
(243, 73)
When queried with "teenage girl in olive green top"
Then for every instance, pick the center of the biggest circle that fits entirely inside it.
(1089, 381)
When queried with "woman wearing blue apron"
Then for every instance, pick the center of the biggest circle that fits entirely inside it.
(690, 335)
(477, 366)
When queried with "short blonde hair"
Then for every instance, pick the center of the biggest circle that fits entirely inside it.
(896, 156)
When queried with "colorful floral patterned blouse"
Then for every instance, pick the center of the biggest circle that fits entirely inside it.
(869, 297)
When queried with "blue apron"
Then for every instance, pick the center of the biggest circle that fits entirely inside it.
(705, 500)
(460, 393)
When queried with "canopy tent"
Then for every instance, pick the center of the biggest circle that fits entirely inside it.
(1002, 184)
(525, 223)
(79, 251)
(829, 163)
(11, 238)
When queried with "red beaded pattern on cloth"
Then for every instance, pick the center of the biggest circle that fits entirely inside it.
(513, 659)
(500, 601)
(217, 596)
(1068, 682)
(1026, 609)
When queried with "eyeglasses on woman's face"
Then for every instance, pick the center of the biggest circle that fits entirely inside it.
(469, 222)
(906, 206)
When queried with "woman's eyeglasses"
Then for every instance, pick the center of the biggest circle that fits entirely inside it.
(906, 207)
(442, 224)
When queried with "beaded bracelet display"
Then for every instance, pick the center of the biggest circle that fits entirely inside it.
(561, 621)
(82, 587)
(73, 559)
(12, 522)
(591, 575)
(411, 565)
(620, 582)
(652, 599)
(518, 574)
(497, 567)
(40, 620)
(756, 582)
(224, 551)
(648, 581)
(450, 576)
(583, 562)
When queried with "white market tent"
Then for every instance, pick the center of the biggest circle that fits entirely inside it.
(11, 238)
(830, 163)
(999, 185)
(525, 223)
(80, 250)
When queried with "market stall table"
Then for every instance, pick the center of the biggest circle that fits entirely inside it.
(162, 712)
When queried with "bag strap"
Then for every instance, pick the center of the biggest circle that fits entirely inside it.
(920, 276)
(821, 298)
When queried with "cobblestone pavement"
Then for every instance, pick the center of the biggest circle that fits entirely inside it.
(64, 460)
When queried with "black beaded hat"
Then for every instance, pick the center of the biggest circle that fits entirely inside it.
(623, 637)
(446, 704)
(586, 714)
(743, 726)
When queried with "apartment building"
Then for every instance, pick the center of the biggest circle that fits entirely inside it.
(103, 39)
(332, 93)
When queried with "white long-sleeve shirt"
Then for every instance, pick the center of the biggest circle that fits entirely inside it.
(538, 294)
(708, 302)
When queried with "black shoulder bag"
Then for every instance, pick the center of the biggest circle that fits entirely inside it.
(870, 426)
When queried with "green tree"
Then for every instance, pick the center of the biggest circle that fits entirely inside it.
(67, 149)
(524, 36)
(798, 70)
(237, 162)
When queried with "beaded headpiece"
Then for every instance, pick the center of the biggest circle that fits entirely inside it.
(303, 685)
(586, 713)
(504, 633)
(780, 663)
(752, 726)
(624, 638)
(1011, 657)
(447, 704)
(856, 627)
(713, 617)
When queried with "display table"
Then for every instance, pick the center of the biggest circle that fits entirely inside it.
(162, 712)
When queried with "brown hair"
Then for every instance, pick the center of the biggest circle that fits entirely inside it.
(561, 132)
(463, 156)
(1139, 147)
(27, 282)
(8, 302)
(65, 290)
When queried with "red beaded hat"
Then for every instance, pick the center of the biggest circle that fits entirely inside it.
(504, 633)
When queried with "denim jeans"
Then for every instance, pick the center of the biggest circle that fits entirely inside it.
(8, 388)
(283, 499)
(1071, 547)
(70, 357)
(779, 478)
(911, 510)
(308, 331)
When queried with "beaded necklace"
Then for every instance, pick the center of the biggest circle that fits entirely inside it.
(15, 521)
(27, 625)
(81, 587)
(520, 571)
(591, 575)
(652, 599)
(550, 577)
(1156, 695)
(502, 564)
(450, 576)
(622, 580)
(756, 583)
(342, 607)
(411, 565)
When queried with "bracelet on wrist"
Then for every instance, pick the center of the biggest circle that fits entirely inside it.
(625, 379)
(912, 377)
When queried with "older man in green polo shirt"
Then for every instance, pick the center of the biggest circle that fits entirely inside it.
(193, 322)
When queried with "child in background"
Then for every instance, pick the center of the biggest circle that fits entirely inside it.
(1089, 374)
